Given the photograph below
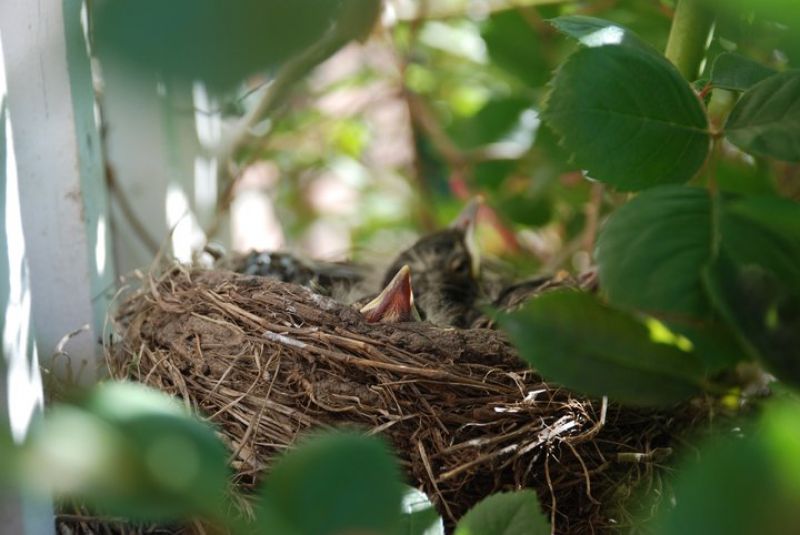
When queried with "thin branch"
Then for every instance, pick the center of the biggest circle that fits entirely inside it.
(689, 36)
(269, 106)
(592, 217)
(279, 89)
(139, 229)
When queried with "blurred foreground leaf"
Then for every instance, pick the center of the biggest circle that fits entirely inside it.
(755, 280)
(785, 13)
(516, 513)
(744, 177)
(336, 483)
(628, 117)
(737, 72)
(777, 214)
(742, 485)
(419, 517)
(574, 339)
(129, 451)
(419, 522)
(495, 120)
(760, 307)
(515, 46)
(764, 231)
(527, 210)
(222, 42)
(765, 120)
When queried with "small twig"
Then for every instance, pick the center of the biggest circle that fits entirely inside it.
(553, 502)
(592, 217)
(278, 91)
(272, 100)
(139, 229)
(425, 119)
(427, 463)
(481, 459)
(586, 475)
(654, 455)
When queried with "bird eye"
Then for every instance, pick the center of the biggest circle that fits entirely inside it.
(459, 265)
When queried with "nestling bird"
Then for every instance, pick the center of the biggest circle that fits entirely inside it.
(327, 278)
(515, 295)
(444, 271)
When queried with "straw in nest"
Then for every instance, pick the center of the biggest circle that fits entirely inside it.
(265, 361)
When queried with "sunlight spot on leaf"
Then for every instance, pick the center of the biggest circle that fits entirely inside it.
(772, 320)
(660, 334)
(610, 35)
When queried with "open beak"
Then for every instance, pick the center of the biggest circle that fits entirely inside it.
(395, 303)
(466, 222)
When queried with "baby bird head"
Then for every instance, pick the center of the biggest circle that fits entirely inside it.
(444, 271)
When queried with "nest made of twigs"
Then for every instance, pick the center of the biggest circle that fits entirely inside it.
(265, 361)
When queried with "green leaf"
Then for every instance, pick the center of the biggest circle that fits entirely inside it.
(495, 120)
(754, 281)
(419, 522)
(515, 46)
(714, 342)
(628, 117)
(652, 251)
(491, 175)
(740, 485)
(766, 120)
(526, 210)
(762, 231)
(183, 463)
(122, 401)
(508, 513)
(744, 178)
(222, 42)
(653, 254)
(574, 339)
(786, 13)
(775, 213)
(419, 515)
(337, 483)
(268, 520)
(763, 309)
(591, 32)
(127, 451)
(737, 72)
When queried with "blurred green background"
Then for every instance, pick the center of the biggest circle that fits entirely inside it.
(350, 152)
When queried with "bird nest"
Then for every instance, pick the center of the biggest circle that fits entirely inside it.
(265, 361)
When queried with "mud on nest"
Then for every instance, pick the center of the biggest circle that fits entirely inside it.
(264, 361)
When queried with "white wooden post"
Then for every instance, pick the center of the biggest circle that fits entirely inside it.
(61, 178)
(21, 396)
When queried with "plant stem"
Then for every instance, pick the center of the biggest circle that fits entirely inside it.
(688, 37)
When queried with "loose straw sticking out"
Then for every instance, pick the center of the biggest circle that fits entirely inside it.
(270, 360)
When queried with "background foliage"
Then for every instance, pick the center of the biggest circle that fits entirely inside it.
(676, 176)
